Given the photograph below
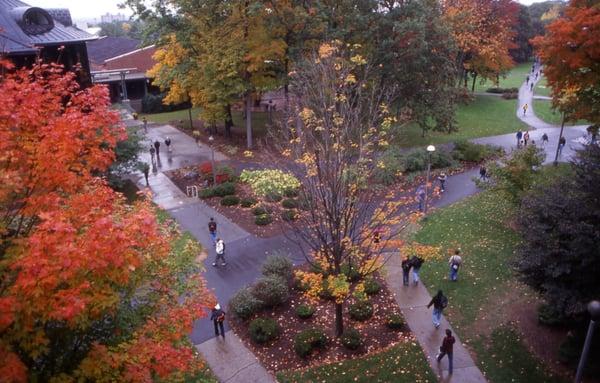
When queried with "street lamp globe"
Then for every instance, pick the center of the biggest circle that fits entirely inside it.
(431, 148)
(594, 310)
(211, 139)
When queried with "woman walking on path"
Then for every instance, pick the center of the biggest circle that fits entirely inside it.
(525, 106)
(439, 302)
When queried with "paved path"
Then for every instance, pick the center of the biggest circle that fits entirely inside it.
(413, 301)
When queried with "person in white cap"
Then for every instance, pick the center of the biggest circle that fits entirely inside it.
(218, 317)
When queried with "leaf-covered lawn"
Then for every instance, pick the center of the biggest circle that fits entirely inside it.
(485, 116)
(403, 363)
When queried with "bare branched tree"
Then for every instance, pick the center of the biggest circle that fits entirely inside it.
(342, 121)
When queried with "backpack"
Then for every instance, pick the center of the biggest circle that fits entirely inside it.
(417, 262)
(444, 302)
(221, 317)
(212, 226)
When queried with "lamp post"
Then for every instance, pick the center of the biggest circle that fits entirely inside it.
(594, 310)
(212, 153)
(430, 149)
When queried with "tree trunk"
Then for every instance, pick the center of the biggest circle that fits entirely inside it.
(190, 115)
(339, 320)
(249, 120)
(228, 121)
(473, 85)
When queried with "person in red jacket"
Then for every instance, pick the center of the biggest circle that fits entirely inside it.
(447, 349)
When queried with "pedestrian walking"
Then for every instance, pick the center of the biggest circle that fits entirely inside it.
(146, 171)
(544, 139)
(421, 197)
(536, 75)
(220, 250)
(531, 87)
(526, 138)
(145, 122)
(519, 136)
(447, 349)
(168, 143)
(217, 315)
(454, 262)
(152, 152)
(561, 144)
(482, 173)
(525, 106)
(439, 302)
(157, 147)
(442, 178)
(416, 262)
(212, 229)
(406, 265)
(527, 81)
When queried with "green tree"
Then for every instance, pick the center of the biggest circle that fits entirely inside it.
(523, 31)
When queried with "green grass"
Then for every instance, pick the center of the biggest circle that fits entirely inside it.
(485, 116)
(259, 120)
(479, 225)
(403, 363)
(542, 88)
(543, 109)
(514, 79)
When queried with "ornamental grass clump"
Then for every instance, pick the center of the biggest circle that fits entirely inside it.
(269, 181)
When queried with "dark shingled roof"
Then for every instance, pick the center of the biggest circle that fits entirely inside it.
(18, 37)
(108, 47)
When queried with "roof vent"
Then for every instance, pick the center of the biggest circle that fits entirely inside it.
(33, 20)
(62, 15)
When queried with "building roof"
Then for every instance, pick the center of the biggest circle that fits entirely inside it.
(108, 47)
(23, 28)
(140, 59)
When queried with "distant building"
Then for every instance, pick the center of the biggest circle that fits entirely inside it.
(28, 32)
(120, 64)
(108, 18)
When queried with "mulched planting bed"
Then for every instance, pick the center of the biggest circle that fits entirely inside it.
(279, 355)
(241, 216)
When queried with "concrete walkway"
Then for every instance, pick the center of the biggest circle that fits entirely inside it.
(413, 301)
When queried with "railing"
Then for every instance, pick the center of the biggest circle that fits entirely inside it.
(192, 191)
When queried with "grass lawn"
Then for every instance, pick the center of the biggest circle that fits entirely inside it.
(403, 363)
(514, 79)
(259, 120)
(478, 309)
(542, 88)
(543, 109)
(486, 116)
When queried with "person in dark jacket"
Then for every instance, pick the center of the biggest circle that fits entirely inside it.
(212, 229)
(406, 265)
(439, 302)
(416, 262)
(168, 143)
(157, 147)
(447, 349)
(217, 315)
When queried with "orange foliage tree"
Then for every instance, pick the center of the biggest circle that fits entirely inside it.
(89, 286)
(484, 33)
(570, 52)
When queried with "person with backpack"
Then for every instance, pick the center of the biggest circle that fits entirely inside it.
(544, 139)
(217, 315)
(561, 144)
(442, 178)
(212, 229)
(416, 262)
(447, 348)
(220, 250)
(439, 302)
(157, 147)
(168, 143)
(519, 136)
(454, 263)
(406, 265)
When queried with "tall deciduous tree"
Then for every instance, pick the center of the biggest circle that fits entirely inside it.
(345, 121)
(570, 52)
(89, 286)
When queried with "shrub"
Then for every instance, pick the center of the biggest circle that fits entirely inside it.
(248, 202)
(206, 193)
(153, 103)
(395, 321)
(361, 310)
(289, 215)
(263, 219)
(261, 210)
(226, 170)
(372, 287)
(273, 197)
(278, 264)
(548, 316)
(308, 340)
(244, 304)
(263, 330)
(291, 193)
(393, 167)
(499, 90)
(269, 181)
(230, 200)
(351, 272)
(271, 290)
(305, 311)
(470, 152)
(289, 203)
(351, 339)
(205, 169)
(417, 160)
(510, 96)
(227, 188)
